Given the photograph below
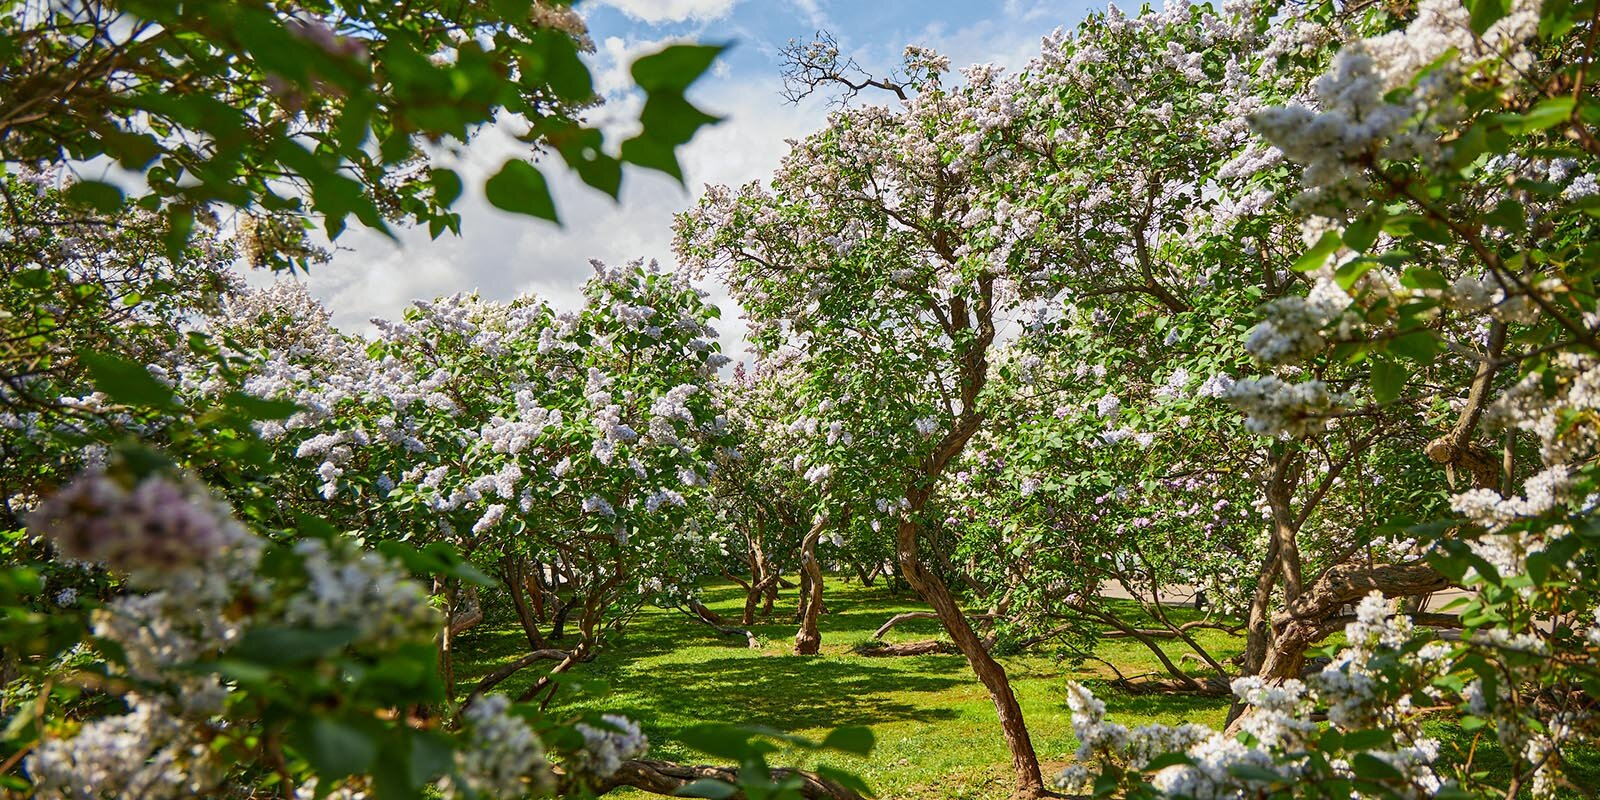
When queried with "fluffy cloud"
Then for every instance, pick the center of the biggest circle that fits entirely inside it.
(501, 255)
(657, 12)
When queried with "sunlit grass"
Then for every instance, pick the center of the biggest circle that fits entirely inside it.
(936, 729)
(937, 736)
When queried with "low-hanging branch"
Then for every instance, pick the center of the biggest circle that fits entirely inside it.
(668, 778)
(704, 618)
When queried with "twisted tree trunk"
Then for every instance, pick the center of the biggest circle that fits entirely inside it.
(1024, 761)
(808, 640)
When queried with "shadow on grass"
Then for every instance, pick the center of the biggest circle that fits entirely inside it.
(787, 693)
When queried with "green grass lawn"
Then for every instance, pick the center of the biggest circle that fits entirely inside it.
(937, 736)
(936, 729)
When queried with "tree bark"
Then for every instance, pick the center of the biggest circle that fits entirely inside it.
(699, 613)
(808, 640)
(1305, 621)
(515, 578)
(1024, 761)
(917, 648)
(667, 778)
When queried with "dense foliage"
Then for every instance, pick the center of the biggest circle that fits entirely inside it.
(1289, 307)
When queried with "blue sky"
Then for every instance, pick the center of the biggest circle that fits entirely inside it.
(502, 255)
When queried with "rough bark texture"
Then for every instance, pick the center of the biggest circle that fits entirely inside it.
(808, 640)
(917, 648)
(1024, 761)
(1305, 621)
(665, 777)
(516, 580)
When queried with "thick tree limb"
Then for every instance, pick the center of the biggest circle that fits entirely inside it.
(495, 678)
(918, 648)
(911, 615)
(725, 630)
(666, 778)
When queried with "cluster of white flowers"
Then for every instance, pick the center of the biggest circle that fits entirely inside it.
(190, 611)
(148, 752)
(1273, 407)
(1353, 118)
(504, 758)
(1292, 330)
(1279, 719)
(361, 591)
(606, 747)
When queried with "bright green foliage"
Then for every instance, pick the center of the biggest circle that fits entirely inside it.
(316, 112)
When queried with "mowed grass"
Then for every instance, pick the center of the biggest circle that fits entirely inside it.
(937, 735)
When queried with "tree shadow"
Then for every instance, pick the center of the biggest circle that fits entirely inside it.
(788, 693)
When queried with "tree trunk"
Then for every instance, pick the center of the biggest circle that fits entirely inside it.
(772, 595)
(1024, 761)
(808, 640)
(515, 577)
(447, 639)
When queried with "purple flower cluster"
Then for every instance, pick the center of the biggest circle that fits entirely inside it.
(159, 524)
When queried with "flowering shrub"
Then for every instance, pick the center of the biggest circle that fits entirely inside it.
(1442, 177)
(236, 654)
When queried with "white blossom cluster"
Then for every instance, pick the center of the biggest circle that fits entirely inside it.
(1273, 407)
(504, 757)
(1278, 717)
(190, 611)
(606, 746)
(362, 591)
(1352, 119)
(152, 530)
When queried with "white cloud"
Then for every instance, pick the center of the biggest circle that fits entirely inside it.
(501, 255)
(657, 12)
(813, 13)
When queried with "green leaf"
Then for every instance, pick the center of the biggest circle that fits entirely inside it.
(446, 186)
(513, 11)
(1366, 765)
(1319, 252)
(126, 382)
(1423, 278)
(675, 67)
(1361, 233)
(335, 748)
(1165, 760)
(519, 187)
(1351, 271)
(259, 408)
(1420, 346)
(1547, 114)
(1368, 739)
(1388, 379)
(856, 740)
(707, 787)
(845, 778)
(1486, 13)
(1508, 214)
(1251, 772)
(431, 757)
(277, 646)
(721, 741)
(98, 195)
